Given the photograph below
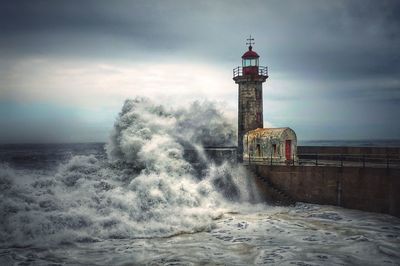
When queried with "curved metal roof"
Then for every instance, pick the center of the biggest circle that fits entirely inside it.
(250, 54)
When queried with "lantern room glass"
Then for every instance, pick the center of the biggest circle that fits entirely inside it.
(250, 62)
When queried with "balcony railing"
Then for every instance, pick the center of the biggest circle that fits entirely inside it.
(262, 71)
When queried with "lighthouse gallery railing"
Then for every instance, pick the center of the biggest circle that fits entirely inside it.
(262, 71)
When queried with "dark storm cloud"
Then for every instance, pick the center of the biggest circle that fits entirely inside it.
(83, 29)
(334, 39)
(340, 39)
(91, 28)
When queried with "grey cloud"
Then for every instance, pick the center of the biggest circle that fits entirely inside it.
(88, 27)
(334, 37)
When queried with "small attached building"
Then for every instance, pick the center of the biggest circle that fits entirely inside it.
(276, 144)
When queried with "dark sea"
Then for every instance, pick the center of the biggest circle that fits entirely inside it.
(49, 156)
(352, 143)
(66, 204)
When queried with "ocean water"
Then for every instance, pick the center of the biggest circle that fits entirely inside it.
(353, 143)
(136, 200)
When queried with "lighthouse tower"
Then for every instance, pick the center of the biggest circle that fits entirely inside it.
(250, 77)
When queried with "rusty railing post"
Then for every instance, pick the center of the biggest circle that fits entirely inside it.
(363, 160)
(270, 144)
(270, 162)
(387, 161)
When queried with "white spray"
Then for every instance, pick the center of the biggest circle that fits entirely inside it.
(145, 189)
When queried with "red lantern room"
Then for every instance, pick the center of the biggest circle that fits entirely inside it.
(250, 62)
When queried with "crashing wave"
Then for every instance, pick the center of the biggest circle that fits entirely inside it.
(146, 188)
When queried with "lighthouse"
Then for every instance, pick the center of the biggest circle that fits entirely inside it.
(249, 77)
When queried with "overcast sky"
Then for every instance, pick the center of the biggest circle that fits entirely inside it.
(67, 66)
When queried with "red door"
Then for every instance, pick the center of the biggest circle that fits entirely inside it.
(288, 149)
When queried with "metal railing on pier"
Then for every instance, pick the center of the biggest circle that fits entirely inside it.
(335, 160)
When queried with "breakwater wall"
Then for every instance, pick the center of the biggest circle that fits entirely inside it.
(367, 189)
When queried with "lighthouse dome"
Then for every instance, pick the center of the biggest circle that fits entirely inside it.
(250, 54)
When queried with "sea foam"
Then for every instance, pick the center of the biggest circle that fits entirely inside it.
(145, 187)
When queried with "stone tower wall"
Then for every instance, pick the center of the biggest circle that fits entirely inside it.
(250, 109)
